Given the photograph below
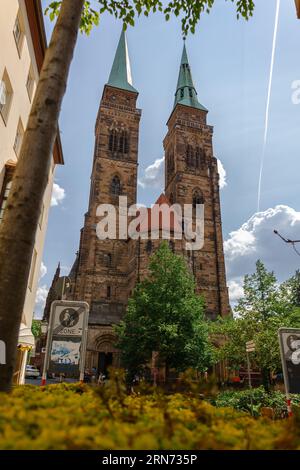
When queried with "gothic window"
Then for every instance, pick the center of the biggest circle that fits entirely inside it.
(123, 143)
(200, 157)
(108, 292)
(191, 92)
(113, 141)
(181, 92)
(108, 260)
(118, 142)
(190, 156)
(170, 162)
(116, 186)
(197, 198)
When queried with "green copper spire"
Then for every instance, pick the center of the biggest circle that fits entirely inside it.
(120, 75)
(186, 92)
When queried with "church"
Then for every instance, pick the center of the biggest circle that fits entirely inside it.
(105, 272)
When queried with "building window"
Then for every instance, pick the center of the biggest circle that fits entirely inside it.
(181, 92)
(197, 199)
(116, 186)
(19, 33)
(118, 142)
(108, 292)
(123, 143)
(190, 156)
(7, 182)
(6, 94)
(19, 138)
(191, 92)
(108, 260)
(30, 83)
(113, 141)
(32, 269)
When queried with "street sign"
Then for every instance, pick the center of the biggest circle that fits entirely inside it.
(66, 340)
(250, 346)
(289, 340)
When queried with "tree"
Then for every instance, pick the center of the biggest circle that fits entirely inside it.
(291, 289)
(165, 315)
(20, 222)
(264, 309)
(36, 328)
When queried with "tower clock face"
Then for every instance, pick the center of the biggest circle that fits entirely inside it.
(69, 317)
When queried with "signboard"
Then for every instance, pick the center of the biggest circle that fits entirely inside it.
(250, 346)
(66, 340)
(289, 339)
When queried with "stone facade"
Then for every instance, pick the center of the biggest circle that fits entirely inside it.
(106, 271)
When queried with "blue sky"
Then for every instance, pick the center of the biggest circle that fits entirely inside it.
(230, 63)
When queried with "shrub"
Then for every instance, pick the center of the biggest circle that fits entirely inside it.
(241, 400)
(74, 416)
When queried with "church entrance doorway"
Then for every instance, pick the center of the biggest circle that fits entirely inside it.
(105, 360)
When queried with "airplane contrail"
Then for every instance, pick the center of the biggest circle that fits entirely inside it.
(268, 104)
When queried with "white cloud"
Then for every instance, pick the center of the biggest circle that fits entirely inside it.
(40, 300)
(255, 240)
(43, 270)
(235, 287)
(153, 176)
(58, 195)
(222, 174)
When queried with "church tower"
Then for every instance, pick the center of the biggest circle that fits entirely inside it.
(102, 275)
(191, 177)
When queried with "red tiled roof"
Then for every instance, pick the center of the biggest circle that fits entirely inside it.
(155, 216)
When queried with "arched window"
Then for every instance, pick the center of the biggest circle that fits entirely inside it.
(108, 292)
(116, 186)
(197, 198)
(189, 156)
(200, 157)
(123, 142)
(113, 141)
(108, 260)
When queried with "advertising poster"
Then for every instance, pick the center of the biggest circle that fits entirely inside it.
(289, 339)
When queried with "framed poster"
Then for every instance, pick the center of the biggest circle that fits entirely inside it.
(66, 340)
(289, 339)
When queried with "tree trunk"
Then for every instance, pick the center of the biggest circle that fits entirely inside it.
(18, 228)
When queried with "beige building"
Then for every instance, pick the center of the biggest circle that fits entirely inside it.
(22, 49)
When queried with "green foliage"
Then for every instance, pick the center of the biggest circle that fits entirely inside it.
(165, 315)
(75, 417)
(36, 328)
(126, 10)
(264, 309)
(241, 400)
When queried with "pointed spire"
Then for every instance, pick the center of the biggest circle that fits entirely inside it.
(120, 75)
(186, 93)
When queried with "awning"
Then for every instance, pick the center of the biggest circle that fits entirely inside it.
(26, 337)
